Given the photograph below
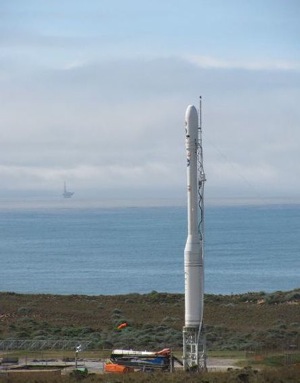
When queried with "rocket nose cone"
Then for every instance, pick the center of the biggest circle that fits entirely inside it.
(191, 115)
(191, 119)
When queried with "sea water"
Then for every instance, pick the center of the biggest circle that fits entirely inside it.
(140, 249)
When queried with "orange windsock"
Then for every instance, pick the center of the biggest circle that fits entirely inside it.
(165, 352)
(122, 325)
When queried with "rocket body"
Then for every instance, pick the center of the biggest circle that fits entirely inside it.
(193, 257)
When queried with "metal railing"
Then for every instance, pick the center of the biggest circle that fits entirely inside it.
(28, 344)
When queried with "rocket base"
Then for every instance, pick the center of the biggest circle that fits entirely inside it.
(194, 350)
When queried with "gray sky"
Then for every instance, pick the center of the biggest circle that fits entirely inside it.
(95, 93)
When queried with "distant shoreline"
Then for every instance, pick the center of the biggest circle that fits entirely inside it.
(248, 293)
(80, 203)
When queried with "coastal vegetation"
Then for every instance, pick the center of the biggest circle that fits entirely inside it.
(263, 328)
(247, 322)
(247, 375)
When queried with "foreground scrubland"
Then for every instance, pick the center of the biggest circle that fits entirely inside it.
(263, 328)
(247, 375)
(247, 322)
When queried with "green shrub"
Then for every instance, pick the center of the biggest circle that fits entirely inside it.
(24, 310)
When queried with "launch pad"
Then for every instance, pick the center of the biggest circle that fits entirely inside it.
(194, 352)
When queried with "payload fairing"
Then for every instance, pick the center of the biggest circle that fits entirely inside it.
(193, 337)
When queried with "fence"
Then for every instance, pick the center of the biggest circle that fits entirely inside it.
(27, 344)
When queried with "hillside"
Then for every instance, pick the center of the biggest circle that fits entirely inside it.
(238, 322)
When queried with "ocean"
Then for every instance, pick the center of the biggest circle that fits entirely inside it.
(95, 251)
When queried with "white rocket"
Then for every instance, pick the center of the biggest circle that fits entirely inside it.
(193, 257)
(193, 252)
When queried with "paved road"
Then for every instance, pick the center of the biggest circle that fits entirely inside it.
(97, 366)
(221, 363)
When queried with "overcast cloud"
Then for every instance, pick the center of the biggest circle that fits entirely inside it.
(95, 93)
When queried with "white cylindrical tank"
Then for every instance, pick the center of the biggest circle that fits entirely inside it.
(193, 257)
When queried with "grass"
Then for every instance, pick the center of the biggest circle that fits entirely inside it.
(275, 359)
(227, 354)
(234, 323)
(246, 375)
